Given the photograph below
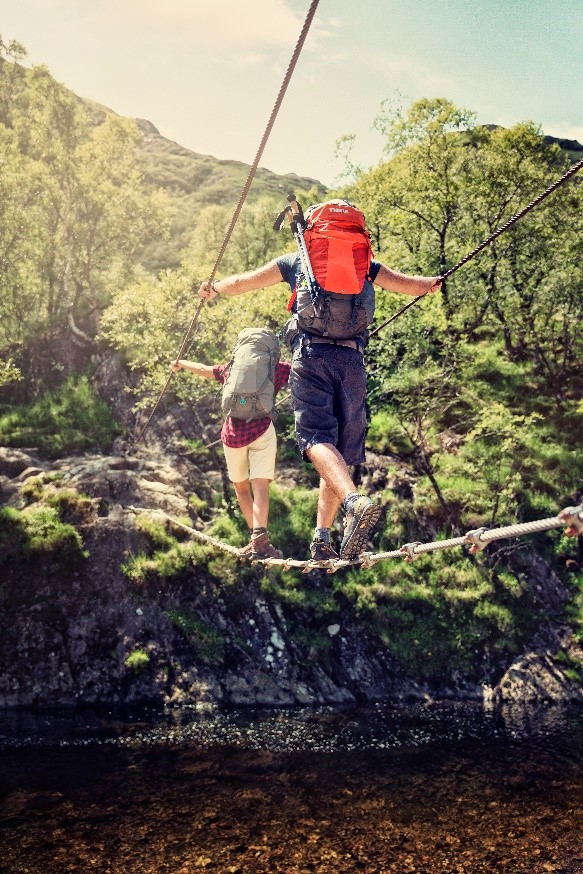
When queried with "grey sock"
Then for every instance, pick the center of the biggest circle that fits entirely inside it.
(322, 534)
(349, 500)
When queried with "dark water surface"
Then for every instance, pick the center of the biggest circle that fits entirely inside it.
(380, 790)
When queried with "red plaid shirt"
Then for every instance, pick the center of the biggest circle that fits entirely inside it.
(236, 433)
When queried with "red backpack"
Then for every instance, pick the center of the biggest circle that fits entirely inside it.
(339, 247)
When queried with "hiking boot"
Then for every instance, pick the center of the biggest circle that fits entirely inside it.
(360, 519)
(322, 551)
(245, 551)
(262, 548)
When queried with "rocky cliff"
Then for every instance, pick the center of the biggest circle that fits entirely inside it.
(103, 604)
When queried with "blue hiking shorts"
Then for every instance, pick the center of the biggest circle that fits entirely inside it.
(328, 385)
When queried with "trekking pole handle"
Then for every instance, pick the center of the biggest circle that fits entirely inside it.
(296, 211)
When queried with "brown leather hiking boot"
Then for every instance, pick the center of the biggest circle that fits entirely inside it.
(322, 551)
(245, 551)
(262, 548)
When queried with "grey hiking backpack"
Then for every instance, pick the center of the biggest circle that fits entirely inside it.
(249, 391)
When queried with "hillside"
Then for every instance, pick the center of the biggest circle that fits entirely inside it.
(193, 181)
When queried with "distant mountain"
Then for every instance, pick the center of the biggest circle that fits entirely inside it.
(193, 181)
(573, 147)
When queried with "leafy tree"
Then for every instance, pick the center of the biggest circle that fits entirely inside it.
(148, 319)
(413, 199)
(74, 212)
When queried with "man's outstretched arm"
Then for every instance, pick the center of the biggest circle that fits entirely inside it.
(392, 280)
(240, 283)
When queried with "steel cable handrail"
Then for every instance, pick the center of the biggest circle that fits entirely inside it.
(493, 236)
(245, 190)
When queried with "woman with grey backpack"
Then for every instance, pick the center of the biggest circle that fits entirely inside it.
(250, 380)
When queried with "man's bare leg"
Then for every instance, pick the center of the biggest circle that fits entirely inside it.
(328, 504)
(332, 468)
(361, 513)
(335, 484)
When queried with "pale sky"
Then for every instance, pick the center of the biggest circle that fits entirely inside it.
(206, 72)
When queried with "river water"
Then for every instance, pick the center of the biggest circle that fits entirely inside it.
(415, 789)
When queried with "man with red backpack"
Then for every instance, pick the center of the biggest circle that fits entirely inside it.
(332, 305)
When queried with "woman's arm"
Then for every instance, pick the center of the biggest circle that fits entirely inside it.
(205, 370)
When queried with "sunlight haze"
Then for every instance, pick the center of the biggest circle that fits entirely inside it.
(207, 74)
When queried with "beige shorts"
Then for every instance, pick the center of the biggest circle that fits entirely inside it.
(255, 461)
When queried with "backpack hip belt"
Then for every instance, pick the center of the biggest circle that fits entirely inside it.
(307, 340)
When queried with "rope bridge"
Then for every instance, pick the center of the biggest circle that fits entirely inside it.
(570, 518)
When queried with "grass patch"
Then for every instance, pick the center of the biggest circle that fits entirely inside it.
(570, 666)
(162, 565)
(208, 643)
(38, 534)
(137, 660)
(69, 420)
(442, 615)
(386, 435)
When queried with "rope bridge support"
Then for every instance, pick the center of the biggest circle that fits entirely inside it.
(570, 518)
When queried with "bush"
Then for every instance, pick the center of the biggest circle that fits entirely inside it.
(71, 419)
(137, 660)
(38, 533)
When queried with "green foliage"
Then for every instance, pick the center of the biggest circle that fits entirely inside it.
(443, 615)
(70, 504)
(137, 660)
(74, 210)
(169, 559)
(38, 534)
(575, 606)
(292, 517)
(230, 528)
(8, 372)
(206, 640)
(386, 435)
(199, 505)
(164, 564)
(70, 419)
(571, 666)
(147, 321)
(156, 531)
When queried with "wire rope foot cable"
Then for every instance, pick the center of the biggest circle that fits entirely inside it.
(571, 517)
